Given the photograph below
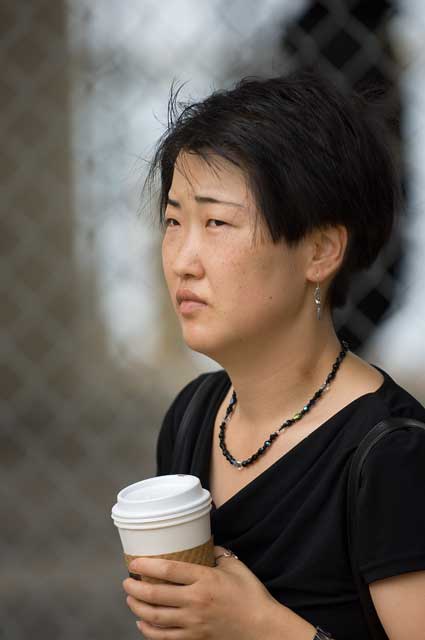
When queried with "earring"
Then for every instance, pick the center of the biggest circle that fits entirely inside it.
(318, 300)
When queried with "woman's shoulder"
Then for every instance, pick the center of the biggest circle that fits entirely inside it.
(364, 404)
(389, 400)
(174, 415)
(376, 389)
(392, 524)
(179, 405)
(398, 401)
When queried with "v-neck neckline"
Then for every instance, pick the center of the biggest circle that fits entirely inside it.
(222, 390)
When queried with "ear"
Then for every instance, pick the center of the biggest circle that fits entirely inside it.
(327, 250)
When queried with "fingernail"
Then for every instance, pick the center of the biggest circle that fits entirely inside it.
(138, 625)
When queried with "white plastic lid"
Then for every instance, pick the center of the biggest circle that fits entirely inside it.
(160, 498)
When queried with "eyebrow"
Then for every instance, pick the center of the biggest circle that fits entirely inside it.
(205, 200)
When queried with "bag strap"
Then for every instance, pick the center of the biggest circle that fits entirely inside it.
(195, 403)
(369, 441)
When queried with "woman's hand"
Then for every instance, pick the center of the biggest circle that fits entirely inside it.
(204, 603)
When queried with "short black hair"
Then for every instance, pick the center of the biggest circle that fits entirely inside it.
(314, 155)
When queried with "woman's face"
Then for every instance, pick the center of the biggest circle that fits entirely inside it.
(252, 288)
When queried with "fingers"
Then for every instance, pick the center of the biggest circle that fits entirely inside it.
(170, 570)
(168, 595)
(157, 633)
(222, 552)
(155, 615)
(218, 550)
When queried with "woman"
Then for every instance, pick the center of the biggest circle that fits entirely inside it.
(272, 195)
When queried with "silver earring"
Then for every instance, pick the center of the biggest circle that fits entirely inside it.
(318, 301)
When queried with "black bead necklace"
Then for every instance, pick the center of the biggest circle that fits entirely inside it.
(241, 464)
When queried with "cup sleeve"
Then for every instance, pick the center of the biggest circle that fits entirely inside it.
(391, 506)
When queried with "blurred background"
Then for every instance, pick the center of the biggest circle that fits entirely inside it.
(90, 350)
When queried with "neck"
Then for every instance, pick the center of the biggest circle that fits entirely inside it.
(273, 380)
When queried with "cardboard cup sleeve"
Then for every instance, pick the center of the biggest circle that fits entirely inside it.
(203, 554)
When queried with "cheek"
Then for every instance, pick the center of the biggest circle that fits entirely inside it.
(261, 285)
(248, 282)
(166, 256)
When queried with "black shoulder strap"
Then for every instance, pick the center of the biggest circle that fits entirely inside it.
(372, 437)
(195, 403)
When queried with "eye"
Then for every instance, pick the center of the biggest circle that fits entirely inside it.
(219, 222)
(168, 221)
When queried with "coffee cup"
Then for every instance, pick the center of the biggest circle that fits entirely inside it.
(165, 517)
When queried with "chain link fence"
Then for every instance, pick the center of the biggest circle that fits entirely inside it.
(90, 353)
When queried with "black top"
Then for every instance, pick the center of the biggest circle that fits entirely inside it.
(288, 525)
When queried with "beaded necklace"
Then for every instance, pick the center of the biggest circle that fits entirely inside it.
(241, 464)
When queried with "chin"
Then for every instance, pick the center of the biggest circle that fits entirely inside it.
(207, 343)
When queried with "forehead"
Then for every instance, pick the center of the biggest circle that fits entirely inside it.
(215, 177)
(211, 174)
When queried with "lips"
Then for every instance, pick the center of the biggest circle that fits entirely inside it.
(184, 295)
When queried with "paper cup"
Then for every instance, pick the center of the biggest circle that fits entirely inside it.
(165, 517)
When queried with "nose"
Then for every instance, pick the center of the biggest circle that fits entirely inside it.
(186, 260)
